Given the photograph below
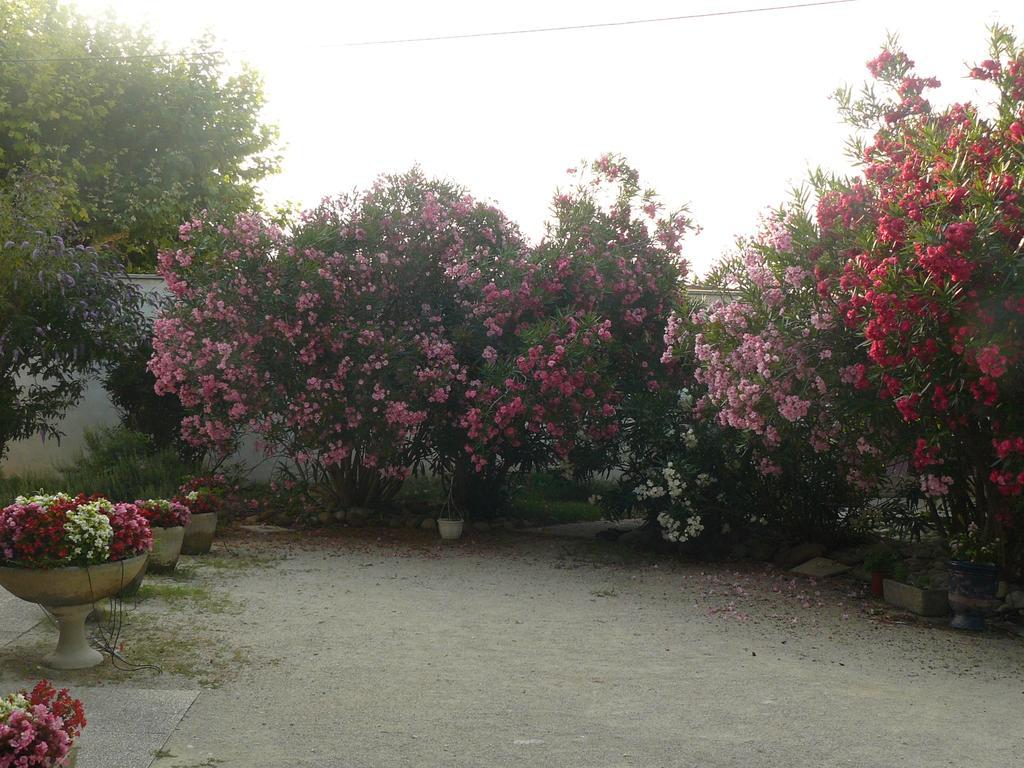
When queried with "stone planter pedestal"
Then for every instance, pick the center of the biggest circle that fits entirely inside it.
(68, 594)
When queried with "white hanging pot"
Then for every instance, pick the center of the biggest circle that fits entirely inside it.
(450, 529)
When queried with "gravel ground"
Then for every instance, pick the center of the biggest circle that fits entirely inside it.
(367, 648)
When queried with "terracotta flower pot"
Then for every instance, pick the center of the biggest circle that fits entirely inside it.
(166, 548)
(199, 534)
(877, 583)
(69, 594)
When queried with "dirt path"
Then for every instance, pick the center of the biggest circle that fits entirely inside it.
(521, 650)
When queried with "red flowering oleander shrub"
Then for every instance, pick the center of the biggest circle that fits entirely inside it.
(931, 282)
(61, 530)
(38, 728)
(162, 513)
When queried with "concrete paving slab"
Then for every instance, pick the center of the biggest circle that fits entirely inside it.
(135, 711)
(265, 529)
(126, 726)
(16, 617)
(106, 749)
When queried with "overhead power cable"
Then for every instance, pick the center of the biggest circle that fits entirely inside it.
(463, 36)
(595, 25)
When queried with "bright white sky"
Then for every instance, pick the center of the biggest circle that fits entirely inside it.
(724, 114)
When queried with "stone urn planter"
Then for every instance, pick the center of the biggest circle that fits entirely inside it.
(972, 592)
(131, 589)
(68, 594)
(199, 534)
(450, 529)
(167, 544)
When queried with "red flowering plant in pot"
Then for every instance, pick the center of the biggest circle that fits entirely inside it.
(932, 232)
(168, 520)
(38, 728)
(204, 499)
(67, 552)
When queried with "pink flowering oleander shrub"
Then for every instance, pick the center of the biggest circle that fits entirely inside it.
(337, 345)
(412, 324)
(38, 727)
(574, 334)
(772, 365)
(763, 372)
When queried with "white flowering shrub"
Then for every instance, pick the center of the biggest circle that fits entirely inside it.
(683, 473)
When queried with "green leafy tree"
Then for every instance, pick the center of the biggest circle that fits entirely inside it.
(140, 139)
(65, 312)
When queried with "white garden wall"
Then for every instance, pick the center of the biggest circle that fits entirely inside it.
(95, 410)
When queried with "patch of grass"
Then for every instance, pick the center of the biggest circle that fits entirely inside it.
(557, 511)
(422, 489)
(549, 496)
(175, 642)
(173, 592)
(538, 496)
(186, 649)
(184, 572)
(177, 593)
(210, 762)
